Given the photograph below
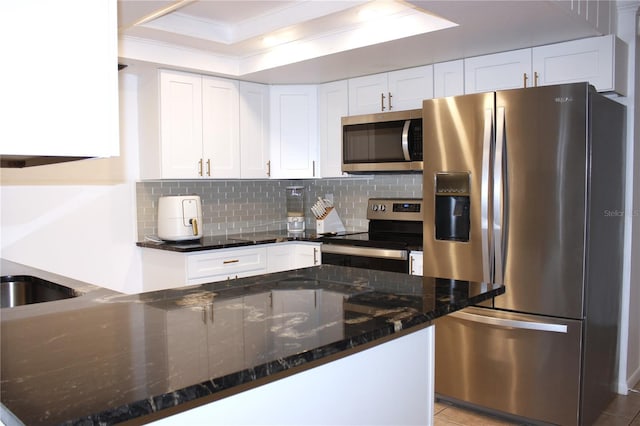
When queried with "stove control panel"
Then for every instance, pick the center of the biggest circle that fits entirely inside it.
(395, 209)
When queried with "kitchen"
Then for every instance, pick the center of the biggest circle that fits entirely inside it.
(62, 204)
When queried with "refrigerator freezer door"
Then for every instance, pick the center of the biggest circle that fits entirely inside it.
(458, 135)
(544, 199)
(524, 365)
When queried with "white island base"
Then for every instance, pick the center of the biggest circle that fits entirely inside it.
(388, 384)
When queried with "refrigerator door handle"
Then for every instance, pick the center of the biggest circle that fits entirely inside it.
(487, 246)
(499, 179)
(503, 322)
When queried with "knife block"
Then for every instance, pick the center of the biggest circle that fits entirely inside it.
(330, 222)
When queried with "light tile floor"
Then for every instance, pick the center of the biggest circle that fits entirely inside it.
(624, 410)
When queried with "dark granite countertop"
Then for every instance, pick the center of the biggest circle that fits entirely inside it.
(106, 357)
(230, 241)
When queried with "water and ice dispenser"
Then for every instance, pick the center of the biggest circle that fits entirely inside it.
(452, 206)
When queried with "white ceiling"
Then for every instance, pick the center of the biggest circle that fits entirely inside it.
(322, 33)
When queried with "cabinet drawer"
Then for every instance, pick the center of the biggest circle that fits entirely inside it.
(226, 263)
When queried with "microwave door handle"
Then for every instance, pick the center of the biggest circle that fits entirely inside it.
(498, 196)
(405, 140)
(487, 246)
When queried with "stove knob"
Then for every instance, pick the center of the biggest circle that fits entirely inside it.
(374, 208)
(383, 208)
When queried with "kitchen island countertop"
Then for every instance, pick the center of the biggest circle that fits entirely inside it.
(106, 357)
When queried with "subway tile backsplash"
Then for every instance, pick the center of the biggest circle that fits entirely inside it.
(244, 206)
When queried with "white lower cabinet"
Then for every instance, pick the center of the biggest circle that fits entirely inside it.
(292, 255)
(164, 269)
(415, 263)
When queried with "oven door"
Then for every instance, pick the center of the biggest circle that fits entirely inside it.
(366, 257)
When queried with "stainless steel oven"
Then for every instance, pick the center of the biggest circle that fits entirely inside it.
(395, 228)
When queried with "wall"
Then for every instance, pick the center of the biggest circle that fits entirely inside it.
(75, 219)
(243, 206)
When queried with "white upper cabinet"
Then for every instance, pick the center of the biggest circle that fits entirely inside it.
(294, 131)
(599, 60)
(333, 104)
(409, 87)
(254, 130)
(499, 71)
(60, 81)
(199, 126)
(393, 91)
(448, 79)
(180, 125)
(220, 128)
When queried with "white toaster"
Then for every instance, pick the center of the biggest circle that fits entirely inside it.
(179, 217)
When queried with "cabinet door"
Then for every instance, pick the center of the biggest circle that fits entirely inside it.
(60, 86)
(368, 94)
(280, 257)
(415, 263)
(307, 254)
(333, 104)
(220, 128)
(254, 130)
(593, 59)
(409, 87)
(180, 124)
(508, 70)
(294, 131)
(448, 79)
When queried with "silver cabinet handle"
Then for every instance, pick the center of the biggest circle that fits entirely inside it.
(200, 167)
(269, 168)
(382, 101)
(390, 107)
(315, 255)
(208, 166)
(503, 322)
(525, 78)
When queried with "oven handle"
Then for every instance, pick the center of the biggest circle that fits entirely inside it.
(365, 251)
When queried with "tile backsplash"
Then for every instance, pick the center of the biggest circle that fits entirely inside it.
(244, 206)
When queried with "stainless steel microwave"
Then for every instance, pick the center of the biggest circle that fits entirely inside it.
(384, 142)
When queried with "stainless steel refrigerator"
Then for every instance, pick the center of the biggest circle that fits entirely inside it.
(526, 187)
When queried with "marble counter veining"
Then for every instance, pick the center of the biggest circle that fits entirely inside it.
(125, 357)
